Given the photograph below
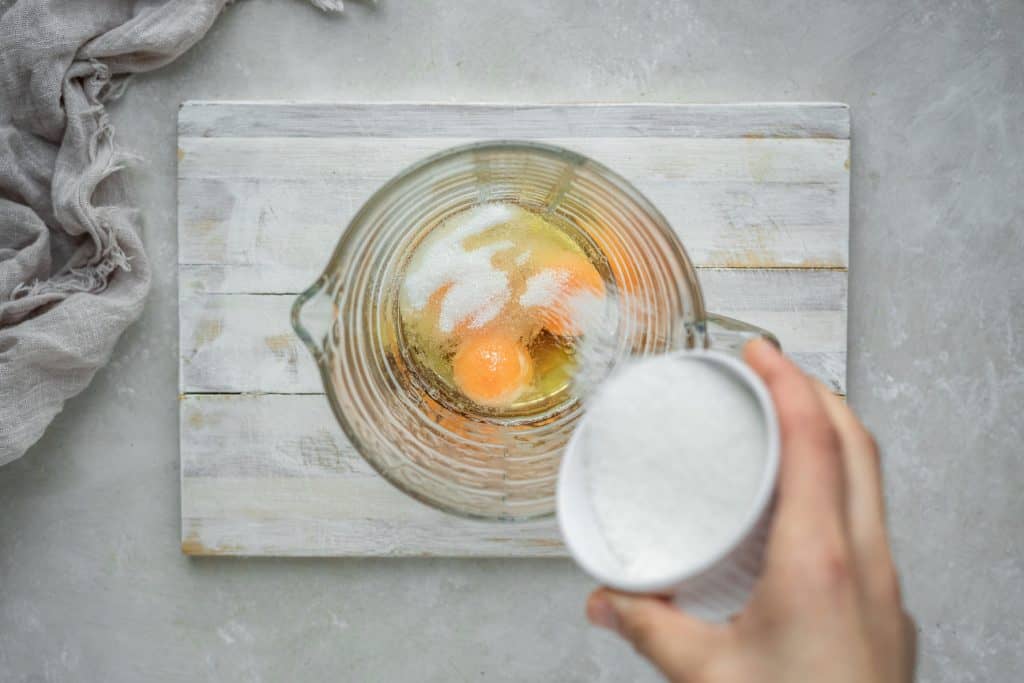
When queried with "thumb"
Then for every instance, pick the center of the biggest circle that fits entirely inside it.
(676, 643)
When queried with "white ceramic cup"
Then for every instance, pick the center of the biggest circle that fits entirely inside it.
(713, 588)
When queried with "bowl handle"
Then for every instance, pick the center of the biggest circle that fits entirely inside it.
(313, 316)
(730, 335)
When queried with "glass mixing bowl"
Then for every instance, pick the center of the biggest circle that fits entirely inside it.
(483, 464)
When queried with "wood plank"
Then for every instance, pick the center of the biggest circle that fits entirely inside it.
(272, 474)
(740, 290)
(279, 227)
(269, 436)
(435, 535)
(244, 342)
(327, 120)
(368, 162)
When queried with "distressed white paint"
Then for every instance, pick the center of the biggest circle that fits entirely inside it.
(429, 533)
(309, 119)
(274, 474)
(275, 202)
(759, 194)
(277, 227)
(244, 342)
(364, 163)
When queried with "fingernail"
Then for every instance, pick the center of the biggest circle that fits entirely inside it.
(601, 613)
(759, 342)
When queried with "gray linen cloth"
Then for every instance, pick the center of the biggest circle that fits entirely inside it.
(73, 271)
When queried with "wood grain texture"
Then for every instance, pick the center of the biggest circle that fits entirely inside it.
(273, 203)
(759, 194)
(236, 342)
(302, 119)
(274, 474)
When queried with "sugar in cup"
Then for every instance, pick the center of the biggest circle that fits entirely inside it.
(716, 578)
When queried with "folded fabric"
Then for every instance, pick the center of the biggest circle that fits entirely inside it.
(73, 271)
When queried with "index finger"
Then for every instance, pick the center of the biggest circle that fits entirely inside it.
(811, 479)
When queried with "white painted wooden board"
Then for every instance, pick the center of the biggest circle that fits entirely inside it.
(759, 194)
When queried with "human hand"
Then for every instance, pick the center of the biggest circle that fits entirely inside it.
(827, 607)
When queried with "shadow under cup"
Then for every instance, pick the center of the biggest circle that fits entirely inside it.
(483, 465)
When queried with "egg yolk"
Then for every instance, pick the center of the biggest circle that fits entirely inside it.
(492, 369)
(577, 276)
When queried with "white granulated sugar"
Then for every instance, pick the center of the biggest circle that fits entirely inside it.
(601, 344)
(477, 299)
(674, 450)
(481, 218)
(478, 290)
(544, 288)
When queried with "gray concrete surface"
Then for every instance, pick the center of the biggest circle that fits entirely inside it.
(92, 585)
